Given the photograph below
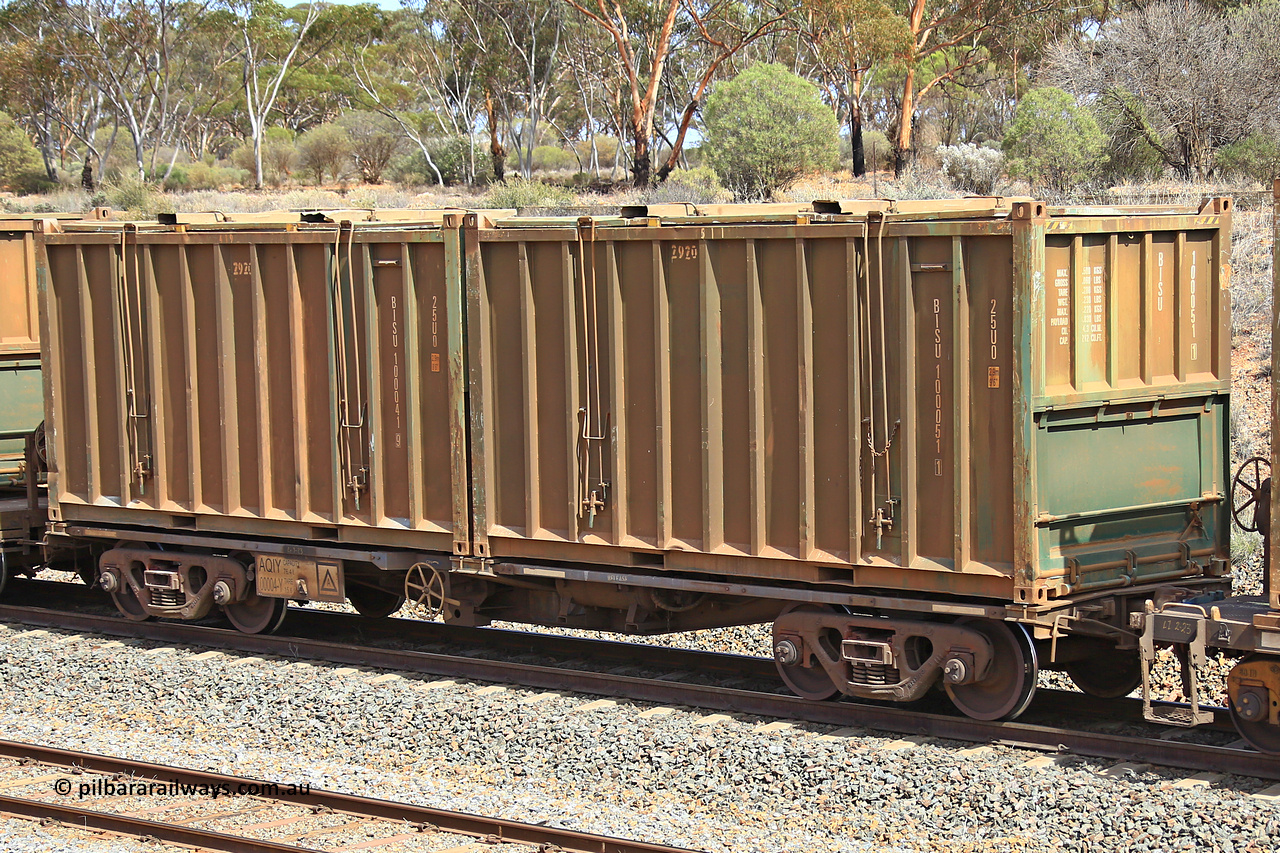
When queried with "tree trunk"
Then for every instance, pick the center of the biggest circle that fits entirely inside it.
(855, 141)
(257, 159)
(496, 151)
(640, 166)
(902, 144)
(498, 155)
(86, 175)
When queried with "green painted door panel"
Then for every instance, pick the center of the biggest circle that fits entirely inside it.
(21, 409)
(1083, 469)
(1130, 496)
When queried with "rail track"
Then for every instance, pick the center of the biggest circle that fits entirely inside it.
(706, 680)
(133, 798)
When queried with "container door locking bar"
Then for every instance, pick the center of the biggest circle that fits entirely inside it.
(593, 420)
(352, 405)
(132, 321)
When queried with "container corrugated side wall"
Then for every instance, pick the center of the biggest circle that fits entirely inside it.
(258, 381)
(730, 399)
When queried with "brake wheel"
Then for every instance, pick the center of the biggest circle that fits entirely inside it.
(1252, 479)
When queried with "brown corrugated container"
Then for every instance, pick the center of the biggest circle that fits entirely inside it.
(978, 398)
(261, 379)
(21, 387)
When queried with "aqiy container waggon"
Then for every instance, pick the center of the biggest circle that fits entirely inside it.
(932, 443)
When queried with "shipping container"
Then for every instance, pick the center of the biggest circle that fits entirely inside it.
(21, 388)
(22, 503)
(981, 398)
(265, 378)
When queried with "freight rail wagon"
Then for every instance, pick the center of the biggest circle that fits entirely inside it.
(931, 442)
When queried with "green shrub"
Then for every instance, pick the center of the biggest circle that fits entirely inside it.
(1053, 141)
(279, 159)
(135, 197)
(1244, 546)
(177, 179)
(202, 176)
(1130, 158)
(697, 186)
(375, 141)
(548, 158)
(21, 167)
(453, 156)
(766, 128)
(325, 150)
(1256, 158)
(279, 156)
(518, 193)
(606, 150)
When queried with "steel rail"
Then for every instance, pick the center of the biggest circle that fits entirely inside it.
(1191, 756)
(203, 839)
(442, 820)
(333, 626)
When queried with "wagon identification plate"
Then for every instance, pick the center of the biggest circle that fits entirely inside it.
(1171, 629)
(293, 577)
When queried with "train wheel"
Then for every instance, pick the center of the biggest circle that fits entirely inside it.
(373, 602)
(4, 572)
(1258, 732)
(1010, 682)
(126, 601)
(124, 595)
(1109, 675)
(258, 614)
(807, 682)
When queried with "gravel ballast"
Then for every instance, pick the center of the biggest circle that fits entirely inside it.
(681, 777)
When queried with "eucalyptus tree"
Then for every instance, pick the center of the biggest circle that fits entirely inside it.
(424, 74)
(850, 40)
(645, 37)
(123, 51)
(641, 33)
(949, 37)
(270, 37)
(38, 87)
(718, 31)
(528, 37)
